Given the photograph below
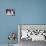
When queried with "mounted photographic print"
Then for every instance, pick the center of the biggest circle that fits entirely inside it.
(10, 12)
(32, 32)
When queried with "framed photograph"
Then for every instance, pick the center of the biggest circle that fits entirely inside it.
(33, 32)
(10, 12)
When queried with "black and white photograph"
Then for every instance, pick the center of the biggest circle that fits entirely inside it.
(10, 12)
(31, 34)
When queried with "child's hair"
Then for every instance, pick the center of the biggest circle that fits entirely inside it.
(8, 10)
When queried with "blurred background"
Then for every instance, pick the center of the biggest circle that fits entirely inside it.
(26, 12)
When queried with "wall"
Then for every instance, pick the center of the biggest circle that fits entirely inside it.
(27, 12)
(7, 23)
(31, 11)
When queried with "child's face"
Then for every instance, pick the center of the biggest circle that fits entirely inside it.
(8, 13)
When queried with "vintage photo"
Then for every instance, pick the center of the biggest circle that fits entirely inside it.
(30, 34)
(10, 12)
